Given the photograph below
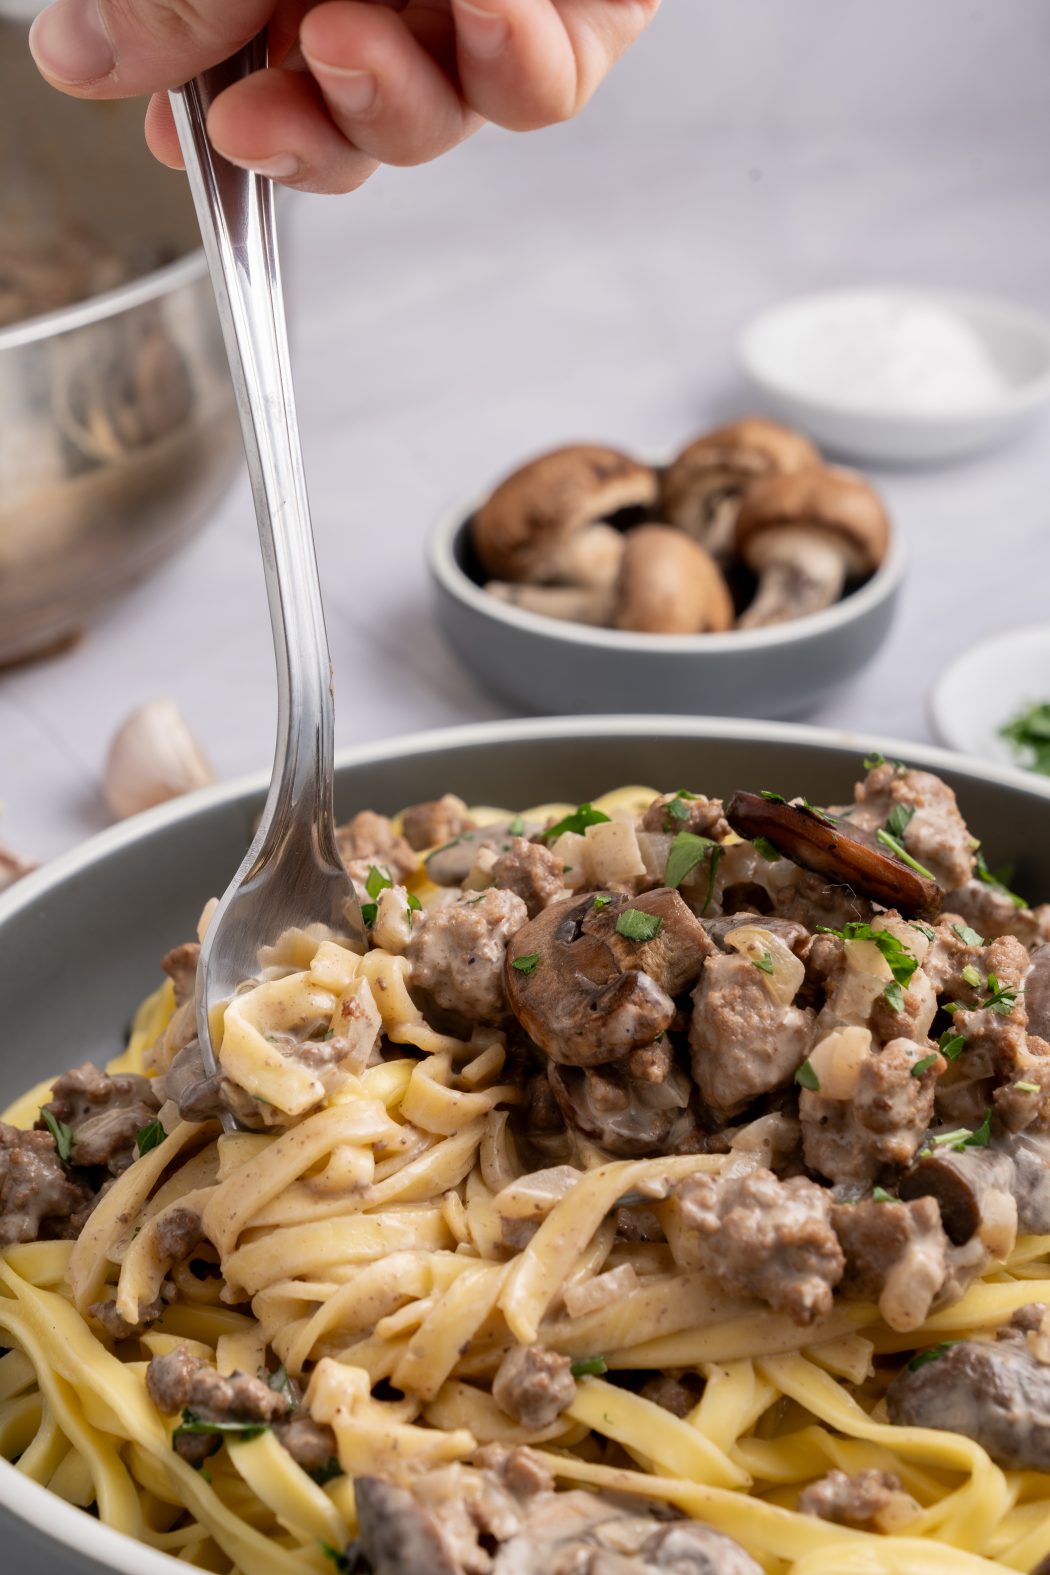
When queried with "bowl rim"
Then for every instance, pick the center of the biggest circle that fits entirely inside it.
(33, 1503)
(939, 709)
(447, 573)
(187, 269)
(1024, 396)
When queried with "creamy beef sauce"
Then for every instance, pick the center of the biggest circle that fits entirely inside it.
(842, 1002)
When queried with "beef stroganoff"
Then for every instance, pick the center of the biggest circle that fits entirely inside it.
(667, 1187)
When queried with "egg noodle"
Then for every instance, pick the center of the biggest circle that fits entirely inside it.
(367, 1238)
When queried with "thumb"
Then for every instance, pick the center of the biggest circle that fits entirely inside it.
(121, 48)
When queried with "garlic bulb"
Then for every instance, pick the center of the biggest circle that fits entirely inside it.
(154, 757)
(12, 867)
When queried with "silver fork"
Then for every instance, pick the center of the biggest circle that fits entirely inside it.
(291, 875)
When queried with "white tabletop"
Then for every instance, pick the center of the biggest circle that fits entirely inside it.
(589, 281)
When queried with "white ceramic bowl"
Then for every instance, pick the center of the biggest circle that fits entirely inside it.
(987, 687)
(545, 665)
(1005, 347)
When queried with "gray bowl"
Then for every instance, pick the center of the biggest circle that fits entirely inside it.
(118, 429)
(544, 665)
(110, 909)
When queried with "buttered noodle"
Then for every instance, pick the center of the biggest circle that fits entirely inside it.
(360, 1245)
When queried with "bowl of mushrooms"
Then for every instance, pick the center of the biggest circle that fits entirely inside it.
(744, 577)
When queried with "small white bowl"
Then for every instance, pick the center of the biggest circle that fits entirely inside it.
(987, 687)
(547, 666)
(956, 371)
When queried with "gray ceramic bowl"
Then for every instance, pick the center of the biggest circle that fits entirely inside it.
(111, 908)
(544, 665)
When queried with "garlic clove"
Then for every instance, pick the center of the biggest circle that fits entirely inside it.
(153, 757)
(12, 867)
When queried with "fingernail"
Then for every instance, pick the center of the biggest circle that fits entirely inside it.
(355, 90)
(70, 44)
(484, 33)
(281, 167)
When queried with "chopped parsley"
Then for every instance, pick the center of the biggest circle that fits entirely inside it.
(1027, 1088)
(634, 925)
(997, 880)
(924, 1065)
(232, 1431)
(1002, 997)
(578, 821)
(526, 964)
(765, 962)
(685, 854)
(62, 1134)
(773, 798)
(806, 1077)
(900, 819)
(326, 1473)
(677, 809)
(368, 913)
(952, 1044)
(894, 995)
(967, 936)
(414, 905)
(933, 1353)
(151, 1136)
(879, 759)
(763, 846)
(880, 1195)
(340, 1560)
(602, 901)
(962, 1137)
(899, 851)
(972, 976)
(589, 1367)
(923, 929)
(1029, 733)
(377, 881)
(281, 1384)
(517, 826)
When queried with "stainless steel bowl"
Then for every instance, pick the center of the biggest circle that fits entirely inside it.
(148, 877)
(118, 432)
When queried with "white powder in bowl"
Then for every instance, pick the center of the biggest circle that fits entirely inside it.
(894, 354)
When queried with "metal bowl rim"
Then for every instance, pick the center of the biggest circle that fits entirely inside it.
(188, 269)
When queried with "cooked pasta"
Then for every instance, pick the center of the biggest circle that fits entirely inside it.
(648, 1196)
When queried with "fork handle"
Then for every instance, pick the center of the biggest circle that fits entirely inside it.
(235, 210)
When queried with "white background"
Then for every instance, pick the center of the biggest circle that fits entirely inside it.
(589, 282)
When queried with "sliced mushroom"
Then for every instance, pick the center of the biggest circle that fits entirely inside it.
(396, 1534)
(585, 992)
(546, 523)
(669, 584)
(973, 1189)
(805, 535)
(450, 864)
(702, 489)
(818, 843)
(625, 1115)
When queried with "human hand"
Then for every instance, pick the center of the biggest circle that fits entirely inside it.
(352, 83)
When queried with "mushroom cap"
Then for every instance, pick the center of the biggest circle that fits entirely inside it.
(539, 506)
(595, 995)
(735, 454)
(838, 502)
(669, 584)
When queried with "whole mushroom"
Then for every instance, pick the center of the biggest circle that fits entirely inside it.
(804, 536)
(547, 524)
(702, 489)
(667, 584)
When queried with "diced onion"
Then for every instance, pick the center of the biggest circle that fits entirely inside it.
(837, 1060)
(910, 937)
(756, 944)
(570, 850)
(612, 853)
(654, 846)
